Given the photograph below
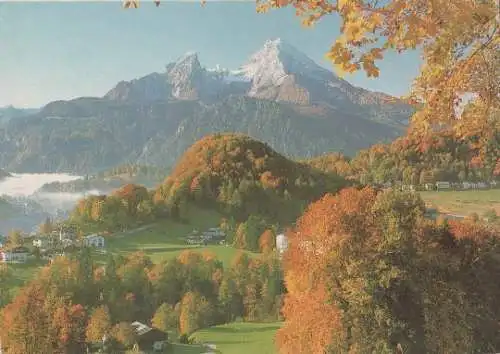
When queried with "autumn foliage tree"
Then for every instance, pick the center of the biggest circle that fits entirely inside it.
(15, 239)
(5, 276)
(166, 318)
(99, 325)
(267, 241)
(129, 205)
(25, 323)
(124, 334)
(377, 276)
(195, 313)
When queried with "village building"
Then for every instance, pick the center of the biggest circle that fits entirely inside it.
(213, 234)
(14, 255)
(66, 242)
(93, 240)
(149, 338)
(281, 243)
(43, 243)
(443, 185)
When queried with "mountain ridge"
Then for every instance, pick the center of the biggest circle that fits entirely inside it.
(151, 120)
(278, 72)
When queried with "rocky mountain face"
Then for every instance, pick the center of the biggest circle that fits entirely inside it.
(279, 96)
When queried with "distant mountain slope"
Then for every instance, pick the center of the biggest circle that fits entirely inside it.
(279, 96)
(9, 112)
(110, 180)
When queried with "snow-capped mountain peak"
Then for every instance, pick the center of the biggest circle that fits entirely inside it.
(280, 58)
(277, 72)
(275, 62)
(188, 62)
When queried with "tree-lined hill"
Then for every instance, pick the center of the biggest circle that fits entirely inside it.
(249, 184)
(419, 160)
(242, 177)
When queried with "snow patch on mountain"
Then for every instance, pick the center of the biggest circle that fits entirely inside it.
(228, 75)
(271, 65)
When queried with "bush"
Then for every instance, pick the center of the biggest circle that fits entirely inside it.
(184, 339)
(491, 215)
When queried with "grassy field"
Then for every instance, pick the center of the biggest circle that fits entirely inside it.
(166, 239)
(463, 202)
(240, 338)
(159, 241)
(232, 338)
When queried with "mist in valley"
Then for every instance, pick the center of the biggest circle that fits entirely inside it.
(30, 206)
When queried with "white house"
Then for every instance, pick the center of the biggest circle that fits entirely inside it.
(15, 255)
(93, 240)
(66, 242)
(281, 243)
(443, 185)
(42, 242)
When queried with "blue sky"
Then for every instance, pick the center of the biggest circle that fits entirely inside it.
(51, 51)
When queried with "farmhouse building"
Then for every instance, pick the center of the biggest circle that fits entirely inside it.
(14, 255)
(43, 242)
(149, 338)
(93, 240)
(443, 185)
(281, 243)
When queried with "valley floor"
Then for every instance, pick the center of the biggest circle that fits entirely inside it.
(160, 241)
(463, 203)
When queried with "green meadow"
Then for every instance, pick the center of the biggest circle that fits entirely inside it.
(233, 338)
(160, 241)
(463, 202)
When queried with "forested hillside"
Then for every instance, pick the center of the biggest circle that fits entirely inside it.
(419, 160)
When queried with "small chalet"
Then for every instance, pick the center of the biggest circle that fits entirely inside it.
(443, 185)
(149, 338)
(43, 242)
(14, 255)
(281, 243)
(93, 240)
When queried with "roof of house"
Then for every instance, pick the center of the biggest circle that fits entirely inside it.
(17, 250)
(93, 236)
(140, 328)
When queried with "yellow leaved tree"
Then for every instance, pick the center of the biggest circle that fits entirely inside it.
(459, 84)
